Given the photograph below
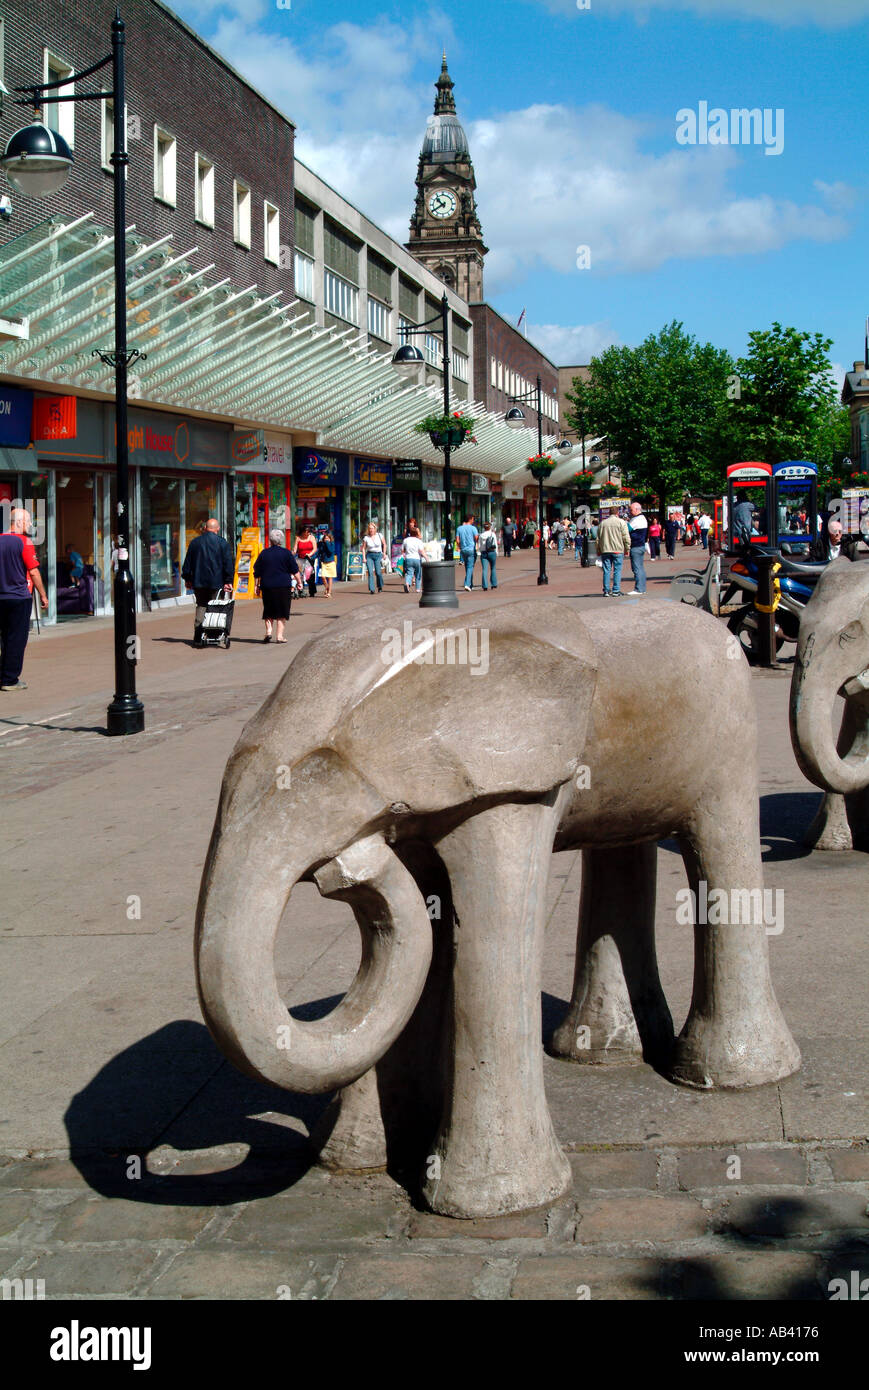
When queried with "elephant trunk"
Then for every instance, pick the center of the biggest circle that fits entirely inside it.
(833, 764)
(248, 878)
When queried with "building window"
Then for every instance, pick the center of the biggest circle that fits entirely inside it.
(304, 276)
(460, 366)
(379, 320)
(433, 352)
(341, 298)
(241, 214)
(500, 376)
(408, 299)
(204, 177)
(306, 225)
(341, 251)
(165, 147)
(59, 116)
(494, 366)
(379, 277)
(271, 232)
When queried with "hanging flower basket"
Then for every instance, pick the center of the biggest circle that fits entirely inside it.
(609, 490)
(585, 479)
(447, 431)
(540, 466)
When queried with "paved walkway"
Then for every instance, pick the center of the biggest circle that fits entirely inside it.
(138, 1163)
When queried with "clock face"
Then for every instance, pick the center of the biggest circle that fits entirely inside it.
(442, 203)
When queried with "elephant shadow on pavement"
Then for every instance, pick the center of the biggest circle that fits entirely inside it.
(215, 1136)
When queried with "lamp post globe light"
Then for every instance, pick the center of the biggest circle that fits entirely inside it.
(37, 162)
(439, 576)
(515, 418)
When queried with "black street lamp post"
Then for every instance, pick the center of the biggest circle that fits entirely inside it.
(37, 162)
(408, 358)
(515, 418)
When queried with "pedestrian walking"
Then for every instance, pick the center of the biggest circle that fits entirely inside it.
(613, 544)
(328, 565)
(305, 551)
(19, 576)
(559, 534)
(655, 531)
(413, 550)
(374, 549)
(467, 538)
(208, 569)
(671, 535)
(273, 572)
(508, 537)
(488, 555)
(530, 535)
(704, 521)
(638, 525)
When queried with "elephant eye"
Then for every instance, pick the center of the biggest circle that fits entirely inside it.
(851, 633)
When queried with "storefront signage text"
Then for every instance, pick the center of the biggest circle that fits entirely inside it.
(55, 417)
(316, 467)
(16, 413)
(367, 473)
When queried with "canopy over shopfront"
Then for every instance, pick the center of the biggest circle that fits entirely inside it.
(209, 347)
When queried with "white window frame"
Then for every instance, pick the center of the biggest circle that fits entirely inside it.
(303, 276)
(434, 352)
(55, 68)
(340, 296)
(494, 367)
(164, 196)
(271, 232)
(460, 365)
(242, 202)
(379, 319)
(203, 190)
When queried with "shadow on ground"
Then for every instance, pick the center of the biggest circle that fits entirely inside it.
(784, 820)
(175, 1088)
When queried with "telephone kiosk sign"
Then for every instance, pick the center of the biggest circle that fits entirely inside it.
(246, 553)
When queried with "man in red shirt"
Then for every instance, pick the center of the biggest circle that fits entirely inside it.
(19, 573)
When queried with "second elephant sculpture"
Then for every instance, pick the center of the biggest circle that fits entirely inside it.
(440, 777)
(833, 659)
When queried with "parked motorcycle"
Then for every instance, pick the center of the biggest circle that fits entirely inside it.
(796, 584)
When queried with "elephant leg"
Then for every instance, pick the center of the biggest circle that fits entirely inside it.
(388, 1117)
(830, 829)
(496, 1149)
(617, 1012)
(734, 1035)
(857, 811)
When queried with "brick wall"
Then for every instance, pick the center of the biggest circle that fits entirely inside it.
(175, 81)
(495, 338)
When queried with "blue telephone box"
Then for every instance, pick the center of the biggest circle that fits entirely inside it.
(795, 504)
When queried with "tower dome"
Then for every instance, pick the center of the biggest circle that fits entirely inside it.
(444, 137)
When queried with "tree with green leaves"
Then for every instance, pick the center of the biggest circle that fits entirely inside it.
(663, 406)
(787, 407)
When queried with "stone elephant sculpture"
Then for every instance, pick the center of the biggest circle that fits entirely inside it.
(438, 781)
(832, 659)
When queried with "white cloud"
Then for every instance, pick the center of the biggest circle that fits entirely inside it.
(840, 196)
(572, 346)
(827, 14)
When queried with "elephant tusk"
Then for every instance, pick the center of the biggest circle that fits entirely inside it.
(858, 684)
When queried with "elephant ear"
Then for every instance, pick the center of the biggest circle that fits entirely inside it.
(495, 703)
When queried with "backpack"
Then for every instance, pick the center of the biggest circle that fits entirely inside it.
(490, 544)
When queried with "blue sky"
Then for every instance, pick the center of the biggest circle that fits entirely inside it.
(572, 115)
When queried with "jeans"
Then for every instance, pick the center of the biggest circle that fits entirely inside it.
(704, 535)
(638, 566)
(487, 561)
(577, 547)
(14, 632)
(413, 571)
(655, 547)
(612, 572)
(468, 559)
(560, 538)
(373, 564)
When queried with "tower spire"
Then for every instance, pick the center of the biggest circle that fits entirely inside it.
(445, 103)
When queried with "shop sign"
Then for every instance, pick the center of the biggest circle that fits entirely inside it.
(315, 494)
(278, 454)
(434, 494)
(512, 490)
(313, 466)
(432, 477)
(407, 474)
(91, 440)
(170, 441)
(371, 473)
(461, 481)
(248, 448)
(55, 417)
(16, 413)
(480, 483)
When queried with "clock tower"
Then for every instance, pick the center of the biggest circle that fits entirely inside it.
(445, 232)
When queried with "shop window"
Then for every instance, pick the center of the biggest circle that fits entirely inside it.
(59, 116)
(166, 501)
(75, 513)
(241, 213)
(165, 148)
(204, 176)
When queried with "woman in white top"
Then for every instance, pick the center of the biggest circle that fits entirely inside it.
(413, 550)
(373, 551)
(488, 543)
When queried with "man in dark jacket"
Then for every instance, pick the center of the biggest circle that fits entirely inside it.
(209, 566)
(831, 544)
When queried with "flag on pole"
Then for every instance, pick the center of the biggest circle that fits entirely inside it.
(519, 322)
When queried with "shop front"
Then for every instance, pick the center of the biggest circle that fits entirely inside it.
(407, 500)
(263, 494)
(430, 517)
(322, 488)
(481, 496)
(369, 500)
